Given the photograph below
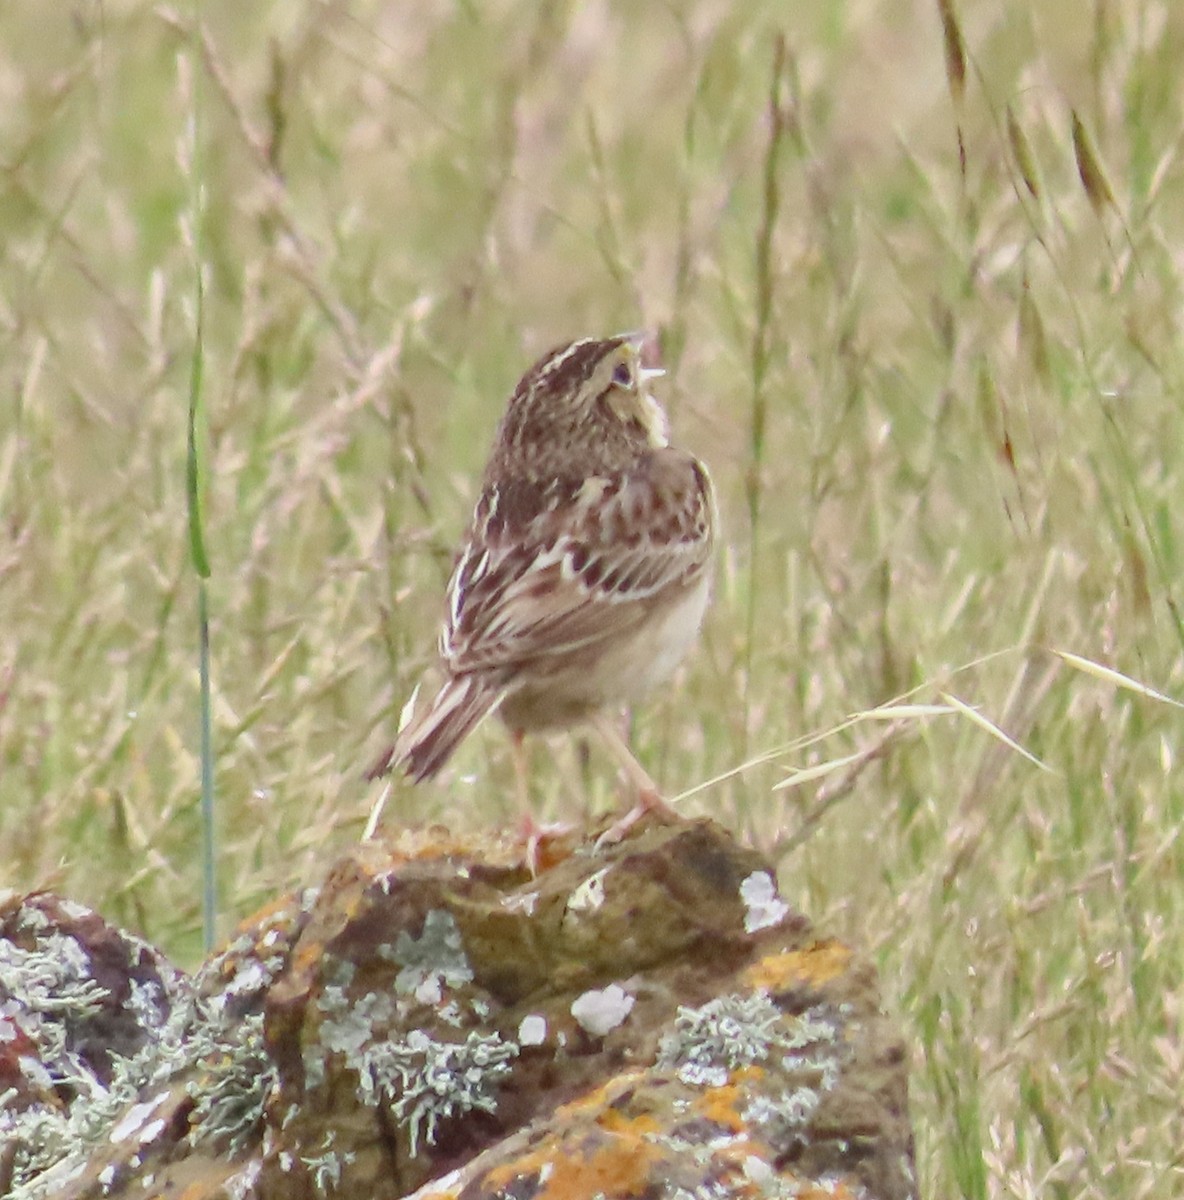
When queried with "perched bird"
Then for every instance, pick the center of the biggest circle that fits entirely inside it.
(585, 572)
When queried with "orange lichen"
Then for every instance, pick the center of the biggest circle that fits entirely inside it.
(613, 1157)
(816, 964)
(602, 1097)
(621, 1166)
(280, 909)
(433, 843)
(721, 1105)
(307, 955)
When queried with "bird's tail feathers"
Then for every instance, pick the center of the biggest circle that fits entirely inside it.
(430, 739)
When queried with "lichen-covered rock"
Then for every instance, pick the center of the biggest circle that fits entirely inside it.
(641, 1018)
(123, 1063)
(78, 1000)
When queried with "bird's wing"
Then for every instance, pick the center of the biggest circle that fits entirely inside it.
(590, 564)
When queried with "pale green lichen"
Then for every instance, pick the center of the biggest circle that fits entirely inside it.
(420, 1080)
(347, 1026)
(326, 1167)
(783, 1116)
(230, 1094)
(48, 994)
(431, 962)
(708, 1042)
(738, 1030)
(52, 978)
(50, 991)
(424, 1082)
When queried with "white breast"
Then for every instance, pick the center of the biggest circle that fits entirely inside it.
(658, 649)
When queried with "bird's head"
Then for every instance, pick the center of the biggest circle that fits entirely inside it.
(589, 400)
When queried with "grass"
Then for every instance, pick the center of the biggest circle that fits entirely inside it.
(918, 299)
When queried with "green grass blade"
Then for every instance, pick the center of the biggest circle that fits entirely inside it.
(194, 491)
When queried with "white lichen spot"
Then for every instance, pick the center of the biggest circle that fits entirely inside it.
(758, 1170)
(762, 904)
(589, 896)
(151, 1130)
(600, 1011)
(429, 991)
(525, 902)
(444, 1185)
(241, 1185)
(532, 1030)
(710, 1141)
(451, 1014)
(107, 1176)
(134, 1118)
(251, 977)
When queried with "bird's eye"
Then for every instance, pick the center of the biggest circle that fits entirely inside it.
(623, 375)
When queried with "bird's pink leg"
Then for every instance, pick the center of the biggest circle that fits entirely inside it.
(649, 798)
(531, 831)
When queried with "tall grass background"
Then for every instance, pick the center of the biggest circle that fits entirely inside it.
(915, 269)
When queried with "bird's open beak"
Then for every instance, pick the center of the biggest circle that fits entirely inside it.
(638, 339)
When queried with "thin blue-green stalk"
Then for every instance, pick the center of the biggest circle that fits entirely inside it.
(194, 486)
(208, 872)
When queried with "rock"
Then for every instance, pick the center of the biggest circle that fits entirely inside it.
(646, 1018)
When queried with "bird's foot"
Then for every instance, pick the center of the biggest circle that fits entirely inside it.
(537, 839)
(648, 801)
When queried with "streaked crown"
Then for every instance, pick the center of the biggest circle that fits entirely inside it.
(584, 407)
